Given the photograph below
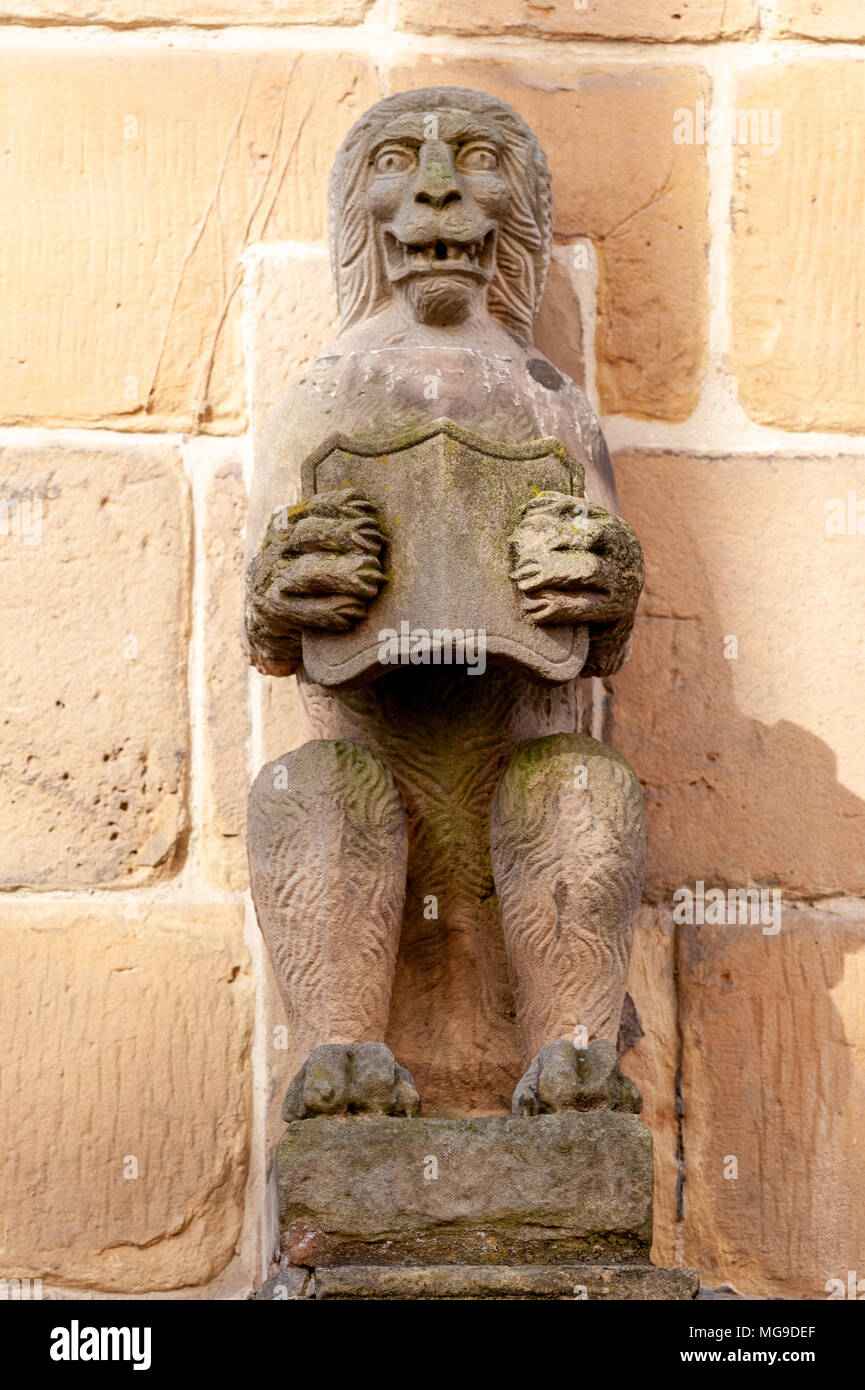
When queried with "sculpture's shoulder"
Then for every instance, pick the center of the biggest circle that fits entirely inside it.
(311, 401)
(564, 411)
(300, 420)
(495, 385)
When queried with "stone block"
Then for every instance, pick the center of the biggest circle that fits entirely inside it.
(226, 725)
(96, 557)
(130, 202)
(547, 1189)
(484, 1282)
(127, 1096)
(293, 316)
(773, 1085)
(736, 707)
(667, 21)
(206, 13)
(821, 19)
(798, 256)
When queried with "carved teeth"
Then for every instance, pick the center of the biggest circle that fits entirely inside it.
(439, 251)
(440, 254)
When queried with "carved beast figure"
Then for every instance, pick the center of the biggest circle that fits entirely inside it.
(447, 870)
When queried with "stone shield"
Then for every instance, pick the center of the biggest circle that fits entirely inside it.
(448, 502)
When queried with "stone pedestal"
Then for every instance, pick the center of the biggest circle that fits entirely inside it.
(549, 1207)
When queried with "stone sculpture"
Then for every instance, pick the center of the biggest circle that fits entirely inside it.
(447, 869)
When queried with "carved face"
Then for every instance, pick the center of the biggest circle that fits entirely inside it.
(441, 195)
(437, 196)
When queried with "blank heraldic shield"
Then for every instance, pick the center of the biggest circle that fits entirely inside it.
(448, 502)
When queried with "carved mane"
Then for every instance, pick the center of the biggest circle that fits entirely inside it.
(525, 233)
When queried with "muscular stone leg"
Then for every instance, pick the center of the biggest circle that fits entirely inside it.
(568, 847)
(327, 855)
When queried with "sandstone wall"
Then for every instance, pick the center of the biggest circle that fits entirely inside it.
(162, 274)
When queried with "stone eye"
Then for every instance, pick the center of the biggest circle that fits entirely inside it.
(395, 160)
(478, 158)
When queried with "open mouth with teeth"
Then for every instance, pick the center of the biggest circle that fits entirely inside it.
(442, 256)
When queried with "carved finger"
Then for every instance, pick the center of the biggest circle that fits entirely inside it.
(560, 606)
(567, 570)
(525, 1097)
(525, 572)
(340, 536)
(553, 503)
(326, 1081)
(340, 503)
(271, 617)
(373, 1078)
(327, 612)
(544, 610)
(557, 1080)
(406, 1098)
(292, 1105)
(581, 533)
(318, 573)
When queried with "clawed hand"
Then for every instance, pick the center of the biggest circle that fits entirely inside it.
(574, 562)
(318, 568)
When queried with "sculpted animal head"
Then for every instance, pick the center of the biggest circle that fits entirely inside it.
(442, 194)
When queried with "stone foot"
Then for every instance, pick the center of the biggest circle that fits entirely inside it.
(563, 1077)
(351, 1079)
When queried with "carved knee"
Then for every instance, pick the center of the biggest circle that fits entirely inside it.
(570, 774)
(327, 855)
(328, 775)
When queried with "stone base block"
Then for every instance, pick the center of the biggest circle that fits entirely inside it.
(547, 1190)
(556, 1282)
(545, 1282)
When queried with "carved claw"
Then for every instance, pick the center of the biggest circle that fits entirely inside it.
(574, 562)
(563, 1077)
(318, 568)
(360, 1079)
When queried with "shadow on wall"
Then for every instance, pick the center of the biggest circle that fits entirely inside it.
(748, 606)
(771, 1024)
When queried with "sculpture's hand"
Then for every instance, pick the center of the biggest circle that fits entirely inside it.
(574, 562)
(317, 568)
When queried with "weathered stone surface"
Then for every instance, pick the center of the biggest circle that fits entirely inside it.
(550, 1189)
(561, 1282)
(773, 1078)
(751, 766)
(135, 195)
(293, 311)
(226, 715)
(333, 808)
(413, 763)
(282, 717)
(94, 706)
(564, 1077)
(281, 733)
(413, 481)
(281, 1061)
(666, 20)
(203, 12)
(291, 1284)
(559, 324)
(798, 258)
(640, 197)
(821, 19)
(126, 1098)
(651, 1059)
